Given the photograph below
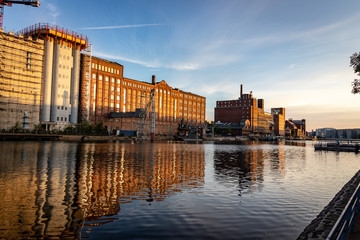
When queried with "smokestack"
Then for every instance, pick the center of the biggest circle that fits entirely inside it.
(153, 79)
(241, 90)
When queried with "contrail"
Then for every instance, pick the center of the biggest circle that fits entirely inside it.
(122, 26)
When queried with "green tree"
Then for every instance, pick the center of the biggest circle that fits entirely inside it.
(355, 64)
(16, 128)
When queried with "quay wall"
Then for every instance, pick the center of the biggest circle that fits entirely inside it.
(321, 226)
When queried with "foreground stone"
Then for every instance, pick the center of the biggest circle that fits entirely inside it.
(321, 226)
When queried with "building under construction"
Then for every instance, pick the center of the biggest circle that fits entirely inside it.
(61, 81)
(21, 69)
(48, 77)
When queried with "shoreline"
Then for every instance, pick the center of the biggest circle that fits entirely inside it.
(320, 227)
(112, 138)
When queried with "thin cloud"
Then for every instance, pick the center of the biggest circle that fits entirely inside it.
(307, 35)
(52, 11)
(120, 58)
(152, 64)
(292, 66)
(122, 26)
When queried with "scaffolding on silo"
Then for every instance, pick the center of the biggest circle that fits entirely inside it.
(21, 62)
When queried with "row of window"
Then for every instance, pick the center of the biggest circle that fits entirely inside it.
(105, 68)
(134, 85)
(62, 119)
(61, 107)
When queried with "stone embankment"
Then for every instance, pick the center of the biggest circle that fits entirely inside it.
(321, 226)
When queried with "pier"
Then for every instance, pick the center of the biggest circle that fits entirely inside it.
(28, 137)
(338, 146)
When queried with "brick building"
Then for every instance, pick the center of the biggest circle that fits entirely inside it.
(116, 101)
(296, 128)
(48, 77)
(247, 108)
(279, 121)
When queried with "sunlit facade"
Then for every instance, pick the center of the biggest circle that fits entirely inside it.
(109, 92)
(61, 71)
(21, 68)
(249, 108)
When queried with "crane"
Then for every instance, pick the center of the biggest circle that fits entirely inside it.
(9, 3)
(144, 113)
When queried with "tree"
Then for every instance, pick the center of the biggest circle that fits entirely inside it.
(355, 64)
(16, 128)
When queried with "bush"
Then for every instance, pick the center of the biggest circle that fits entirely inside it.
(16, 128)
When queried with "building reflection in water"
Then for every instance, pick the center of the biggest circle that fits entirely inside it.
(245, 164)
(53, 189)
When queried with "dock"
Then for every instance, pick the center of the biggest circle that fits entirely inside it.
(28, 137)
(338, 147)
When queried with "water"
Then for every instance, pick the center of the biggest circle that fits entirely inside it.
(52, 190)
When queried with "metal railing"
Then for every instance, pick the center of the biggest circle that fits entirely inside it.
(46, 26)
(347, 218)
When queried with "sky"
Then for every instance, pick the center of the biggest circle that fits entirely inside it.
(292, 54)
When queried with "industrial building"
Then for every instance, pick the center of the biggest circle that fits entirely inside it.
(279, 121)
(49, 77)
(295, 128)
(125, 104)
(246, 107)
(21, 69)
(61, 71)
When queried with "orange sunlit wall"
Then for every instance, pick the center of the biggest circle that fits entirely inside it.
(110, 92)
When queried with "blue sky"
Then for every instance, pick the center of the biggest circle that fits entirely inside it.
(292, 54)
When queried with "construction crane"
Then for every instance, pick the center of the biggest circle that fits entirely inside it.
(144, 114)
(9, 3)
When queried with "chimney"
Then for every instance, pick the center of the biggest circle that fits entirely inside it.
(241, 90)
(153, 79)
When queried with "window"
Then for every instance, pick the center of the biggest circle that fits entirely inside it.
(117, 105)
(100, 77)
(94, 91)
(118, 98)
(112, 97)
(118, 81)
(118, 89)
(106, 79)
(112, 80)
(94, 75)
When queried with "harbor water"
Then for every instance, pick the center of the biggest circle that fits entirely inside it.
(166, 190)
